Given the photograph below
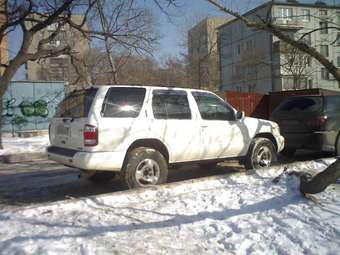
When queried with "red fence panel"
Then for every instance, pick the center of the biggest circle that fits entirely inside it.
(253, 104)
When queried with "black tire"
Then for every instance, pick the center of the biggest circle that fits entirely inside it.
(144, 167)
(102, 177)
(288, 153)
(261, 154)
(337, 146)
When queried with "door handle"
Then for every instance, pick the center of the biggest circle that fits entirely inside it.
(204, 126)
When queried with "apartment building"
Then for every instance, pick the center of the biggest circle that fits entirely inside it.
(256, 61)
(58, 68)
(203, 54)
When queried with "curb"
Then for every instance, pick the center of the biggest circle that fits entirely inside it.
(23, 157)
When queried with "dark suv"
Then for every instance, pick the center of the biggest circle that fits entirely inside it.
(309, 122)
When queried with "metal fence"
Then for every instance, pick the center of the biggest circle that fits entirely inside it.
(30, 105)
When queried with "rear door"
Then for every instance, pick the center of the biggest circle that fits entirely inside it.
(66, 128)
(122, 119)
(175, 124)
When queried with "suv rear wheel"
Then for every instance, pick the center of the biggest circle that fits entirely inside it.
(261, 154)
(144, 167)
(337, 148)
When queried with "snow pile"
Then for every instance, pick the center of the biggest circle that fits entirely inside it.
(243, 213)
(14, 145)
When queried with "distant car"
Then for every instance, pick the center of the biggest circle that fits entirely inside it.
(139, 131)
(309, 122)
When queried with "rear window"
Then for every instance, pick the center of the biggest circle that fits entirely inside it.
(170, 104)
(332, 103)
(77, 104)
(301, 104)
(123, 102)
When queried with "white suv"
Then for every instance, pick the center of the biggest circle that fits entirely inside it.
(140, 131)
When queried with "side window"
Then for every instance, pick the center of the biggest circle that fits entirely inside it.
(212, 108)
(123, 102)
(170, 105)
(333, 104)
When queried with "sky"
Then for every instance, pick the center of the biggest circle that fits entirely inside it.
(173, 27)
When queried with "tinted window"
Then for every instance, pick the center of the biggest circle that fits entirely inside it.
(212, 107)
(332, 103)
(302, 104)
(170, 105)
(77, 104)
(123, 102)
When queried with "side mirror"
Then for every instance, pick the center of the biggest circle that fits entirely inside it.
(239, 115)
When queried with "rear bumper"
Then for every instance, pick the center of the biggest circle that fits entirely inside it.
(320, 141)
(101, 161)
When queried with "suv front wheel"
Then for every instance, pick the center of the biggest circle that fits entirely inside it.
(144, 167)
(261, 154)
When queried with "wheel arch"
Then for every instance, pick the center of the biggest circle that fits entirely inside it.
(268, 136)
(150, 143)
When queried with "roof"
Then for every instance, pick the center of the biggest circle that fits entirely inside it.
(284, 3)
(148, 87)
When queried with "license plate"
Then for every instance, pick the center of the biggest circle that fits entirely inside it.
(63, 130)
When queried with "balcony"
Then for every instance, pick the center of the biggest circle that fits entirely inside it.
(289, 24)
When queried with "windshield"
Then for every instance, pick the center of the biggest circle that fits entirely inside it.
(77, 104)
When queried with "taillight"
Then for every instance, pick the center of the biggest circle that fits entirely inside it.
(317, 123)
(90, 135)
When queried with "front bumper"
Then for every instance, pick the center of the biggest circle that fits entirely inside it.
(320, 141)
(101, 161)
(280, 140)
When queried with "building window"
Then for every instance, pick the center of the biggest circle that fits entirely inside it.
(323, 13)
(305, 15)
(238, 49)
(307, 38)
(310, 83)
(323, 27)
(338, 58)
(324, 50)
(286, 13)
(324, 74)
(249, 45)
(309, 61)
(338, 39)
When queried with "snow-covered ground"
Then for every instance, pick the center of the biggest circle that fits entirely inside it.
(14, 145)
(242, 213)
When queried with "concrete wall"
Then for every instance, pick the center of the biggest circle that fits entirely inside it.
(30, 105)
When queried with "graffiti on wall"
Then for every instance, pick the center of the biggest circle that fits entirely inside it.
(38, 108)
(21, 113)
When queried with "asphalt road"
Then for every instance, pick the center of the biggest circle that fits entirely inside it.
(45, 181)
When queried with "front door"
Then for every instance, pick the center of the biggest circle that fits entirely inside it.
(221, 135)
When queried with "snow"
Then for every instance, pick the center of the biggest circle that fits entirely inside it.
(242, 213)
(14, 145)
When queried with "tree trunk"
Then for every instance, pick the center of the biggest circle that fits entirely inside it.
(1, 119)
(322, 180)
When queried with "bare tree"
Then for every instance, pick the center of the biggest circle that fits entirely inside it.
(129, 30)
(295, 65)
